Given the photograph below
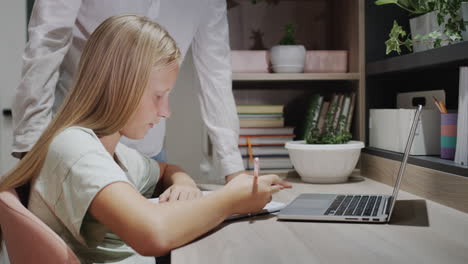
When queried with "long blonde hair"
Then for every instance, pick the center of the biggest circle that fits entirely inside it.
(112, 74)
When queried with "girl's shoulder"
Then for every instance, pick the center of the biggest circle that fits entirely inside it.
(74, 142)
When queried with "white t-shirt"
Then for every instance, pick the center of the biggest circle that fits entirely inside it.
(76, 168)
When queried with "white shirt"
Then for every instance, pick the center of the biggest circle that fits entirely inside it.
(76, 168)
(58, 31)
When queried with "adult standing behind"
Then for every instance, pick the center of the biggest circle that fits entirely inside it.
(58, 31)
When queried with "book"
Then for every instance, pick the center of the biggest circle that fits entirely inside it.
(266, 139)
(270, 207)
(351, 111)
(344, 113)
(279, 162)
(323, 115)
(310, 121)
(264, 150)
(266, 130)
(259, 109)
(339, 106)
(261, 122)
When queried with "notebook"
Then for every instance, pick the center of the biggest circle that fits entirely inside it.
(270, 207)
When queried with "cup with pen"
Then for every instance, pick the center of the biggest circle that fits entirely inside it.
(448, 131)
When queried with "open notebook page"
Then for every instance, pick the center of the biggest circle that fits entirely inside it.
(270, 207)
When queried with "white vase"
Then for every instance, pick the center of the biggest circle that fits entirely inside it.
(425, 24)
(288, 58)
(464, 15)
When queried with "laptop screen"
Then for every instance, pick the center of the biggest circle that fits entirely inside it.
(401, 171)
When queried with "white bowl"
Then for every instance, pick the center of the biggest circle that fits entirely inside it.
(331, 163)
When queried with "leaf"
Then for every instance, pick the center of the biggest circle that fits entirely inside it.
(385, 2)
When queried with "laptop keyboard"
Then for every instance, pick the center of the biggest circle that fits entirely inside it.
(355, 205)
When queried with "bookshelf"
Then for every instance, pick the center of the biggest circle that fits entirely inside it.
(320, 25)
(387, 75)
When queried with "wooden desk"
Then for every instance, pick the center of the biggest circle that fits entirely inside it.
(420, 232)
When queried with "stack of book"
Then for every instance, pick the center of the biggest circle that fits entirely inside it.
(263, 135)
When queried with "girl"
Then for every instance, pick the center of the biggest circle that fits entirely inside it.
(92, 190)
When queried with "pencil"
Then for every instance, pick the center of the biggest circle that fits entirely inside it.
(436, 102)
(444, 109)
(256, 166)
(249, 149)
(256, 171)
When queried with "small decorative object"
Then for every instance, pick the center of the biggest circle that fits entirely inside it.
(326, 61)
(437, 23)
(288, 57)
(249, 61)
(326, 155)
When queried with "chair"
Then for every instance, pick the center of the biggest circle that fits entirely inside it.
(28, 239)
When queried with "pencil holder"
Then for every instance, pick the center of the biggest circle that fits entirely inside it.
(448, 135)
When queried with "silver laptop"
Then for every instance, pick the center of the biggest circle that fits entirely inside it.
(350, 207)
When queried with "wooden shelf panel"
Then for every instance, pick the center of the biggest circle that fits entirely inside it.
(295, 76)
(431, 162)
(451, 55)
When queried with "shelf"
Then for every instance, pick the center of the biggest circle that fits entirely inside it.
(451, 55)
(431, 162)
(295, 76)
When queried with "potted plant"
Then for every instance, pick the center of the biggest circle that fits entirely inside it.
(435, 23)
(288, 57)
(327, 154)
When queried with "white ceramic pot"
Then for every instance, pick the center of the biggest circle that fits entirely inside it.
(464, 15)
(332, 163)
(425, 24)
(288, 58)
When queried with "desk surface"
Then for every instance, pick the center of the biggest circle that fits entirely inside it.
(421, 231)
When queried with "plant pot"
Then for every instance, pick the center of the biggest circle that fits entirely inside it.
(464, 15)
(425, 24)
(316, 163)
(249, 61)
(288, 58)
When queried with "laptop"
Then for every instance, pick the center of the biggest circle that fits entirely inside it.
(375, 208)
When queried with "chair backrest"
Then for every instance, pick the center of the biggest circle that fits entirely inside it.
(28, 239)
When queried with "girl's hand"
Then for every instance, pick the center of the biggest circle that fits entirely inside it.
(250, 194)
(180, 192)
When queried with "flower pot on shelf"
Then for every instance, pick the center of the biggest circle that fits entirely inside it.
(331, 163)
(326, 61)
(249, 61)
(288, 58)
(464, 15)
(425, 24)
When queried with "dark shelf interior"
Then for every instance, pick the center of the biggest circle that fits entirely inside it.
(388, 75)
(431, 162)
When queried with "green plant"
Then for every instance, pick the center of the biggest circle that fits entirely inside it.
(448, 16)
(397, 38)
(288, 38)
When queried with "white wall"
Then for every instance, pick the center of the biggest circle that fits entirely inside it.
(12, 43)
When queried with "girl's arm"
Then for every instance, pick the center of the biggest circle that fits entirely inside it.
(155, 229)
(177, 184)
